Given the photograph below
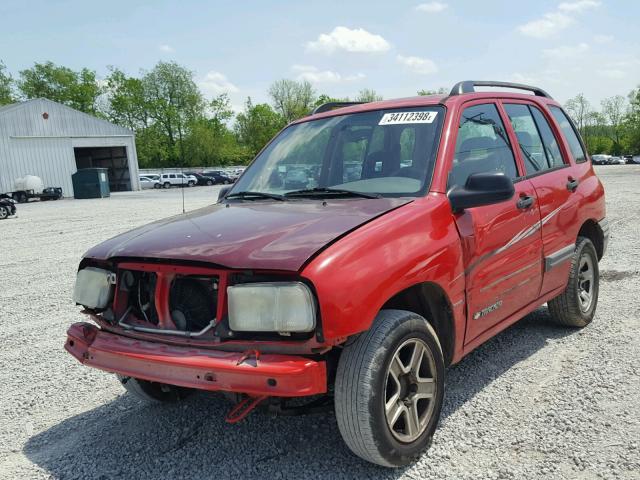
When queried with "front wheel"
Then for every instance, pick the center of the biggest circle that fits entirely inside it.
(153, 392)
(167, 185)
(576, 306)
(4, 212)
(389, 389)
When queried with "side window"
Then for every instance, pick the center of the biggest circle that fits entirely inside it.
(533, 154)
(482, 145)
(172, 176)
(575, 145)
(551, 147)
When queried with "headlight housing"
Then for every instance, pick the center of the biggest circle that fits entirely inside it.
(94, 287)
(283, 307)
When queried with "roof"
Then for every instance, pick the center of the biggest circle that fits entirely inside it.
(46, 105)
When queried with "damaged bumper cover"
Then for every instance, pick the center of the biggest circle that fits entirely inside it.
(205, 369)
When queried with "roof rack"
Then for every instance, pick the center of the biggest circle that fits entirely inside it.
(467, 86)
(325, 107)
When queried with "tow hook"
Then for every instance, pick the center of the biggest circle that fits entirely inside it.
(243, 408)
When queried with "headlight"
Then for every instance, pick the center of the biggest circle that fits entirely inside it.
(94, 287)
(283, 307)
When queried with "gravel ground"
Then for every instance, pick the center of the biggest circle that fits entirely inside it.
(536, 401)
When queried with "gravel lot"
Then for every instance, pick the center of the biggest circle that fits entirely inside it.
(536, 401)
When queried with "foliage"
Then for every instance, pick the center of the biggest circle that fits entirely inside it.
(6, 86)
(368, 95)
(77, 90)
(439, 91)
(257, 125)
(292, 99)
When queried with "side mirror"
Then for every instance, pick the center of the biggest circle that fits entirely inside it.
(481, 189)
(223, 193)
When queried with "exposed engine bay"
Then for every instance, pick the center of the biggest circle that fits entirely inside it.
(192, 300)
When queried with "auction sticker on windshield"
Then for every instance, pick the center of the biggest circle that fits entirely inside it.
(397, 118)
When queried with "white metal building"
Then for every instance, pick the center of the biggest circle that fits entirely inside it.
(52, 141)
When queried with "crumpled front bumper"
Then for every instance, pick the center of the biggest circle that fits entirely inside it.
(269, 374)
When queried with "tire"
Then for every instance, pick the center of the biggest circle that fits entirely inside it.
(209, 183)
(571, 308)
(191, 184)
(166, 185)
(226, 182)
(365, 383)
(152, 392)
(4, 212)
(156, 185)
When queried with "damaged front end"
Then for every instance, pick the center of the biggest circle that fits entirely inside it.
(170, 324)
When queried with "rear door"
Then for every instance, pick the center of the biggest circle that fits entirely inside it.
(555, 184)
(501, 243)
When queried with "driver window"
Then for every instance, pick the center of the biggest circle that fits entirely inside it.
(482, 145)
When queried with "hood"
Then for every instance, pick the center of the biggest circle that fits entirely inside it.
(251, 235)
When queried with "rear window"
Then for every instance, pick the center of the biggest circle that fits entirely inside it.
(569, 131)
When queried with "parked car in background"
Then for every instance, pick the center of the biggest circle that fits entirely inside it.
(635, 159)
(628, 159)
(7, 208)
(147, 183)
(201, 178)
(168, 180)
(600, 159)
(218, 176)
(617, 161)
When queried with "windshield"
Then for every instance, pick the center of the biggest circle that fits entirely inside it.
(386, 152)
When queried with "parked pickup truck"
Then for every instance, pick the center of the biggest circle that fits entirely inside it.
(459, 215)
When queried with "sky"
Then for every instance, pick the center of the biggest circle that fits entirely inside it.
(395, 47)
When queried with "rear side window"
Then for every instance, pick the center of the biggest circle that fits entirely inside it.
(552, 150)
(482, 145)
(575, 145)
(538, 146)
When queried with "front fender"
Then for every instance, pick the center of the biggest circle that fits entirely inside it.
(355, 276)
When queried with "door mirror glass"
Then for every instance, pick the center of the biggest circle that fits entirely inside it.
(481, 189)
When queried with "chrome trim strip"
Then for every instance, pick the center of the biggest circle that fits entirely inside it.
(508, 276)
(558, 257)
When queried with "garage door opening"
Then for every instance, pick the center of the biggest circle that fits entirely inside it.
(113, 158)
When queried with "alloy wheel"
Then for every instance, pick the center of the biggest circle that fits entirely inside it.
(585, 282)
(409, 390)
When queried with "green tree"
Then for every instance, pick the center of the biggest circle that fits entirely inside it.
(292, 99)
(632, 122)
(78, 90)
(438, 91)
(614, 111)
(174, 102)
(6, 86)
(126, 100)
(368, 95)
(257, 125)
(580, 110)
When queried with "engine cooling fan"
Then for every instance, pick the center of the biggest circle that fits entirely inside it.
(192, 303)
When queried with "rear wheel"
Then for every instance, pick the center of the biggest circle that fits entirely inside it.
(166, 185)
(4, 212)
(389, 389)
(576, 306)
(153, 392)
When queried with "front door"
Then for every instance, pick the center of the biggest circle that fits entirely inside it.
(501, 243)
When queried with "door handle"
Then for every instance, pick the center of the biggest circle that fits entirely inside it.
(524, 202)
(572, 184)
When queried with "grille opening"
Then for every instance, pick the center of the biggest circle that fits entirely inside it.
(193, 300)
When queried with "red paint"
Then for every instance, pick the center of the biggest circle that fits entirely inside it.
(357, 254)
(196, 368)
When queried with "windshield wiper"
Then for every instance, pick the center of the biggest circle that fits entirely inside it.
(255, 195)
(323, 191)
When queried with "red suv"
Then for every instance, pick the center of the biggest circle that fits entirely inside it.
(416, 230)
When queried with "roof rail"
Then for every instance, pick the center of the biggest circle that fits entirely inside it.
(325, 107)
(467, 86)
